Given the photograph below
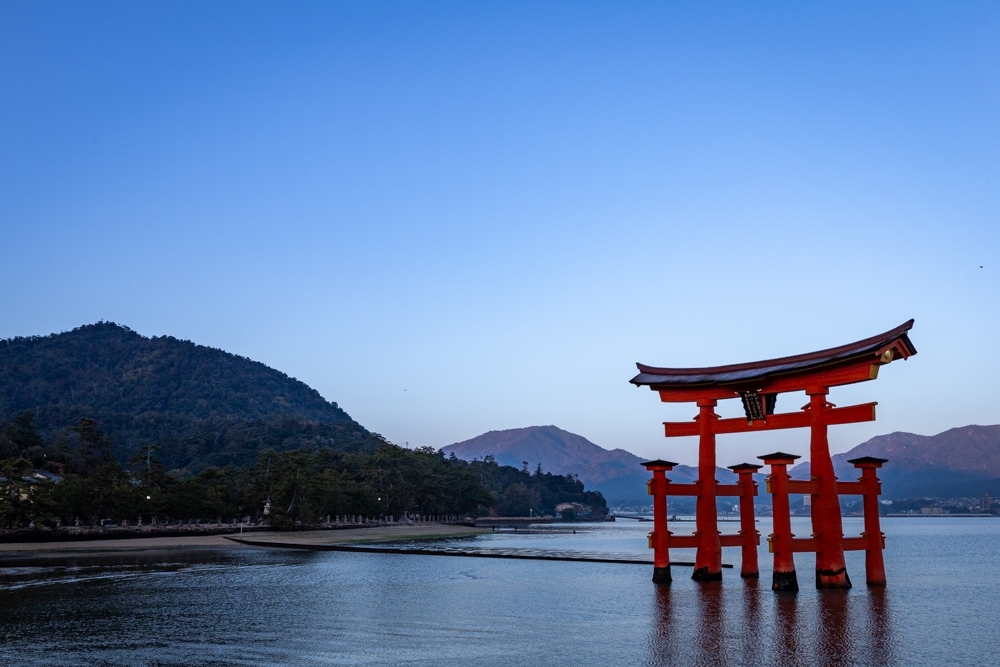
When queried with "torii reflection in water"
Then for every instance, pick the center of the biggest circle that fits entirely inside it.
(719, 625)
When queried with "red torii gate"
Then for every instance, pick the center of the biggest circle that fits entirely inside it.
(758, 385)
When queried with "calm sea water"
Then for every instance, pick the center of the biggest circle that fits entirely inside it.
(248, 607)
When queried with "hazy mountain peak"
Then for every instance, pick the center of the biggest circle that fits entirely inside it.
(617, 473)
(556, 450)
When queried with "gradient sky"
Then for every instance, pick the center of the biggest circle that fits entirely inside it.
(458, 217)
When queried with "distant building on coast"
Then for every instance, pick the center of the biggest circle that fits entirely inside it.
(573, 510)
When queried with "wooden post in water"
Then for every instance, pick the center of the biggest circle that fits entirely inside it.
(748, 526)
(875, 539)
(780, 541)
(659, 539)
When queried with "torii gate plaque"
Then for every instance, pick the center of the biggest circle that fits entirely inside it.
(758, 385)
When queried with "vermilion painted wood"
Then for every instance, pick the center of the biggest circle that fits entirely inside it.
(831, 416)
(694, 489)
(695, 395)
(831, 569)
(661, 554)
(856, 544)
(732, 540)
(692, 541)
(813, 373)
(802, 487)
(800, 544)
(684, 541)
(852, 488)
(798, 486)
(860, 371)
(748, 529)
(807, 544)
(780, 541)
(659, 538)
(873, 536)
(708, 559)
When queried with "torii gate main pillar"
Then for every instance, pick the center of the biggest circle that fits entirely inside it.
(831, 569)
(708, 558)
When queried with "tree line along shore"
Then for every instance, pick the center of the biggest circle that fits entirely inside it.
(69, 480)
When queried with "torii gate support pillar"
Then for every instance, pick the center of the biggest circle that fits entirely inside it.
(748, 526)
(780, 541)
(659, 539)
(874, 565)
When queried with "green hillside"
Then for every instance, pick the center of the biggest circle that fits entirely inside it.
(202, 406)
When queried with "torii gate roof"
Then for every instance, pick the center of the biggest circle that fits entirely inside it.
(736, 377)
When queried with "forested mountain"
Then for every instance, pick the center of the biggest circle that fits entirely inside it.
(201, 406)
(46, 485)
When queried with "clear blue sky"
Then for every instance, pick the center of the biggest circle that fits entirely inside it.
(458, 217)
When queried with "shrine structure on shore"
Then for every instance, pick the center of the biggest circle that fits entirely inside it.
(757, 385)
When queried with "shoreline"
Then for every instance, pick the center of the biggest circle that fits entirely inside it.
(184, 543)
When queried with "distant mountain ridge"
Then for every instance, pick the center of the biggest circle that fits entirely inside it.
(557, 450)
(959, 462)
(201, 405)
(970, 449)
(616, 473)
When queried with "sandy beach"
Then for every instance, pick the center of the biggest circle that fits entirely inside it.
(22, 551)
(367, 535)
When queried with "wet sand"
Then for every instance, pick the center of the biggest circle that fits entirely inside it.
(140, 545)
(365, 535)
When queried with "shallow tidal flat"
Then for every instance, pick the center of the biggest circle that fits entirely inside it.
(21, 550)
(220, 604)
